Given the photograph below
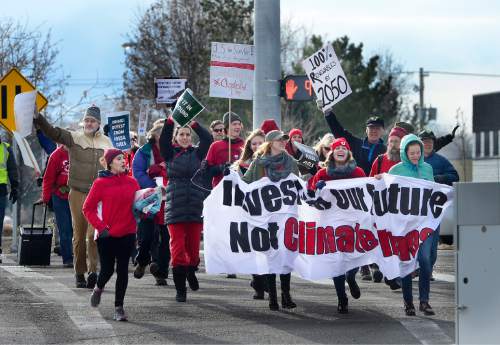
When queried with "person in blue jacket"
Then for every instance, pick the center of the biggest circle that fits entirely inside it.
(444, 172)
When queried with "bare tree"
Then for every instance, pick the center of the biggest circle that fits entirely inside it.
(463, 141)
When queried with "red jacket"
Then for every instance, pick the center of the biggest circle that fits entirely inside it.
(55, 179)
(323, 176)
(218, 154)
(115, 194)
(386, 165)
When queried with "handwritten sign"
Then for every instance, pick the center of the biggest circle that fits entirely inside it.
(232, 70)
(327, 77)
(169, 89)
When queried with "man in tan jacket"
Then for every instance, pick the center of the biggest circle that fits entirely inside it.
(85, 149)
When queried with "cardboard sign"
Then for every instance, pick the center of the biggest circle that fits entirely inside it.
(327, 77)
(232, 70)
(187, 108)
(308, 158)
(119, 130)
(169, 89)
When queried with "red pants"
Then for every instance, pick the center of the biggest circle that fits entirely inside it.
(185, 243)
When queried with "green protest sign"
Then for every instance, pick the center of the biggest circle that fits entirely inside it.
(187, 108)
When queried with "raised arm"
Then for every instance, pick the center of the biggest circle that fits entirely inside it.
(205, 139)
(166, 147)
(338, 130)
(56, 134)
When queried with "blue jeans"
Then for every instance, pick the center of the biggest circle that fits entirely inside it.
(3, 204)
(425, 261)
(63, 219)
(339, 283)
(434, 249)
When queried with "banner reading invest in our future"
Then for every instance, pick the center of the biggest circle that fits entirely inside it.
(267, 227)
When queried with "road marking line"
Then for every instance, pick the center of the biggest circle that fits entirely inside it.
(88, 320)
(426, 331)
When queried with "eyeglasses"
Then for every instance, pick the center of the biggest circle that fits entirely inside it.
(218, 130)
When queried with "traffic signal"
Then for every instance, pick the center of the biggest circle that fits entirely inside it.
(296, 88)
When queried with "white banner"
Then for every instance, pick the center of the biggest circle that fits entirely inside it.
(169, 89)
(232, 70)
(327, 77)
(271, 228)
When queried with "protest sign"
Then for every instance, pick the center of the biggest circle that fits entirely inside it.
(119, 130)
(28, 156)
(277, 227)
(169, 89)
(24, 110)
(143, 118)
(327, 77)
(232, 70)
(187, 108)
(308, 156)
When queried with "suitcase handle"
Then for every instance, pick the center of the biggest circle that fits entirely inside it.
(44, 216)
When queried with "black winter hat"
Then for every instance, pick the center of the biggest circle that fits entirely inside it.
(427, 134)
(375, 121)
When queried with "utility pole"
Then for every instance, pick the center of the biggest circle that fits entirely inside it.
(266, 85)
(421, 109)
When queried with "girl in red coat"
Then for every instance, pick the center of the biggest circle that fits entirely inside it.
(340, 165)
(108, 208)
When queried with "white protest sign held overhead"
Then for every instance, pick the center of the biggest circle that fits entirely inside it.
(169, 89)
(24, 110)
(327, 77)
(143, 118)
(232, 70)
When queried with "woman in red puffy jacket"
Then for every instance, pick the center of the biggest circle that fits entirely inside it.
(340, 165)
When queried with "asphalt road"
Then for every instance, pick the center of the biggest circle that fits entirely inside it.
(41, 305)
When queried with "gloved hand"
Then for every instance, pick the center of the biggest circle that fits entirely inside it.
(204, 165)
(13, 196)
(226, 170)
(319, 104)
(320, 184)
(104, 233)
(454, 130)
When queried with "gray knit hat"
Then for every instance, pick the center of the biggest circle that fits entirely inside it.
(276, 135)
(234, 117)
(94, 112)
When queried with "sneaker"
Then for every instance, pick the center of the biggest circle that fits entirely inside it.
(353, 287)
(91, 280)
(342, 307)
(231, 276)
(139, 271)
(426, 308)
(154, 268)
(80, 281)
(365, 273)
(120, 314)
(95, 298)
(377, 276)
(409, 309)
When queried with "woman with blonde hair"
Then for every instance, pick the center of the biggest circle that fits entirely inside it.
(322, 148)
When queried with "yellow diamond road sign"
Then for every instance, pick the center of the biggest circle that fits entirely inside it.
(12, 84)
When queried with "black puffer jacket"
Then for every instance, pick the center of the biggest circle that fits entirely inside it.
(184, 199)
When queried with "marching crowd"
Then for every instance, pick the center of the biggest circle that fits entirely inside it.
(92, 188)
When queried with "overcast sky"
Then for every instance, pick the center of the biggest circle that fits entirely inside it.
(451, 35)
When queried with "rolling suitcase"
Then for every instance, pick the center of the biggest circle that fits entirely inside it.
(35, 242)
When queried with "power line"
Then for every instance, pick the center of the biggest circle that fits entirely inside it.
(486, 75)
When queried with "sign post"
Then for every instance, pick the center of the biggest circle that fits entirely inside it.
(327, 77)
(187, 108)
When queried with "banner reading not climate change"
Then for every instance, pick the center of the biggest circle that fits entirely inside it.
(267, 227)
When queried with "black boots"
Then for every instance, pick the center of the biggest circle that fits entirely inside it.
(342, 307)
(191, 278)
(286, 299)
(258, 283)
(273, 295)
(179, 274)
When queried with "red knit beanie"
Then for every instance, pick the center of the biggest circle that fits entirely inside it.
(110, 154)
(295, 131)
(398, 132)
(340, 142)
(269, 125)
